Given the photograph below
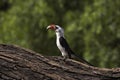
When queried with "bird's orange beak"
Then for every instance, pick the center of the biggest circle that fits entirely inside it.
(52, 27)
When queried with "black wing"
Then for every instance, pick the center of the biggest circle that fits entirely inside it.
(64, 44)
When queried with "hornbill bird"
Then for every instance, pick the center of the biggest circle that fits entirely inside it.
(63, 45)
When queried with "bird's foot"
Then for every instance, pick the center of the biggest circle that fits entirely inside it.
(64, 58)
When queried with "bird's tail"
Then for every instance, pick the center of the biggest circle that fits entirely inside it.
(79, 58)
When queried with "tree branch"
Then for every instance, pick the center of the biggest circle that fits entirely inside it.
(23, 64)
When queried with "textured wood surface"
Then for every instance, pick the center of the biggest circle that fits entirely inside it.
(17, 63)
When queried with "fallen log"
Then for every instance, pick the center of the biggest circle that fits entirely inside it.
(17, 63)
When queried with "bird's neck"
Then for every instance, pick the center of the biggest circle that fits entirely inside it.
(58, 35)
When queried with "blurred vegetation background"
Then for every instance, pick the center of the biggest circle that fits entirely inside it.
(92, 27)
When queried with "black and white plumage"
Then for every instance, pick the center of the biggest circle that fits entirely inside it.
(62, 43)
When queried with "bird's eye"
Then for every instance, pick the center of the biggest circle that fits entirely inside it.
(56, 27)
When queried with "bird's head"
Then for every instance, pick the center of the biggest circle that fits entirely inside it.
(56, 28)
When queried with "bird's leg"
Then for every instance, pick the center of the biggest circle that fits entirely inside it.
(64, 58)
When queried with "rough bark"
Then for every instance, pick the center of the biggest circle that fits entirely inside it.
(17, 63)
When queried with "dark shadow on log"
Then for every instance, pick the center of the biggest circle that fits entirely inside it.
(17, 63)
